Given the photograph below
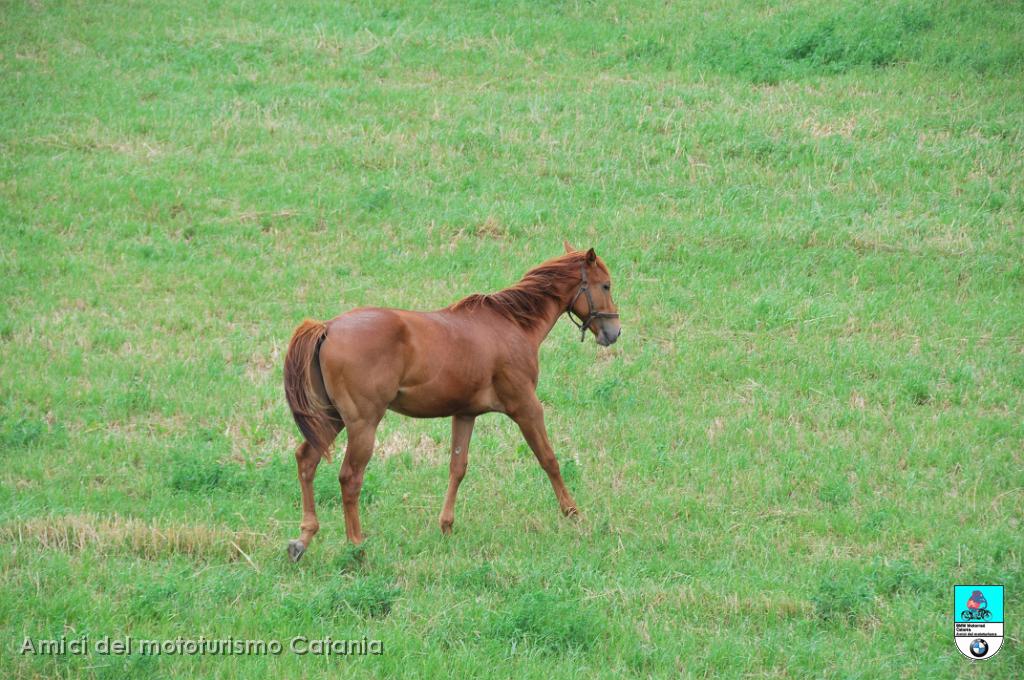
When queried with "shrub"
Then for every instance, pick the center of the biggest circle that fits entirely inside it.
(194, 474)
(843, 597)
(372, 596)
(549, 622)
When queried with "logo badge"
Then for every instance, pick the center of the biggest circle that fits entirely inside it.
(978, 620)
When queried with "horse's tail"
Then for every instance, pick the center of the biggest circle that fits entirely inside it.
(304, 388)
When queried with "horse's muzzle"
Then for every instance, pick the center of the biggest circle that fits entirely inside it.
(604, 338)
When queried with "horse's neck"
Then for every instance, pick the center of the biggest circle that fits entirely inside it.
(553, 311)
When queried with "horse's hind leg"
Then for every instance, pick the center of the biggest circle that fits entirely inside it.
(361, 435)
(307, 459)
(462, 430)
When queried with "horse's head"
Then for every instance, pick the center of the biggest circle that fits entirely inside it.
(592, 300)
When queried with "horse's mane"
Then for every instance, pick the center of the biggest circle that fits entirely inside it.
(525, 302)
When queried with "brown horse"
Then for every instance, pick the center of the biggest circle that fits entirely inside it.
(477, 356)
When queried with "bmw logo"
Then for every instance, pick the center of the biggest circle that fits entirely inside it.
(979, 648)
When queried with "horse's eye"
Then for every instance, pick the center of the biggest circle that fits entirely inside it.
(607, 286)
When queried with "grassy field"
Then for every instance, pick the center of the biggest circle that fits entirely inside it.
(811, 429)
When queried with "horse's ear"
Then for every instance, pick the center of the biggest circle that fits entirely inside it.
(591, 256)
(568, 247)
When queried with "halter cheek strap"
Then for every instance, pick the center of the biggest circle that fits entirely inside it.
(584, 324)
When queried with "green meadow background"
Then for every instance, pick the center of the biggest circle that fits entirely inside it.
(811, 429)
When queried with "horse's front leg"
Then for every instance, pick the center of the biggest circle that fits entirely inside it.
(462, 430)
(530, 419)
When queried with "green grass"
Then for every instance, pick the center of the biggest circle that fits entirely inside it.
(810, 431)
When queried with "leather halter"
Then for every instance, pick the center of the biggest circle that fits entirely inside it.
(584, 324)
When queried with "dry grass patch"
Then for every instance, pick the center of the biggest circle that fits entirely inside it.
(422, 449)
(127, 535)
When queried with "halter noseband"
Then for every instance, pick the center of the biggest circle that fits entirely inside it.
(584, 324)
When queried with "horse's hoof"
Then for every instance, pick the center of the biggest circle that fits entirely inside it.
(571, 512)
(295, 549)
(446, 524)
(357, 553)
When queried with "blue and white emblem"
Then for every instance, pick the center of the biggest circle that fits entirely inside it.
(978, 620)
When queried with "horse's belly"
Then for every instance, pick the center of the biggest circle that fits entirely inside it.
(425, 402)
